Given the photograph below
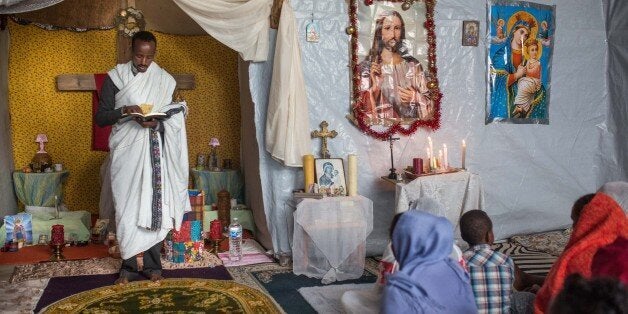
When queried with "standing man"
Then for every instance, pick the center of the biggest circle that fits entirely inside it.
(148, 159)
(393, 83)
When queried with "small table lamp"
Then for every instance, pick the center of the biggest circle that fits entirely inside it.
(42, 157)
(213, 158)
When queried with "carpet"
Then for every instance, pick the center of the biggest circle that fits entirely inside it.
(326, 299)
(62, 287)
(168, 296)
(98, 266)
(282, 284)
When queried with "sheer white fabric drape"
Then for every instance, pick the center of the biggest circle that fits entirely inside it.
(241, 25)
(287, 117)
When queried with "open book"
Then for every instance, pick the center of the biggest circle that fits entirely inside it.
(146, 114)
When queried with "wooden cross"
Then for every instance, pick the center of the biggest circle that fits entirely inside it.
(324, 134)
(86, 82)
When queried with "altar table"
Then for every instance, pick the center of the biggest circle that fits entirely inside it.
(39, 189)
(329, 237)
(211, 182)
(459, 192)
(76, 225)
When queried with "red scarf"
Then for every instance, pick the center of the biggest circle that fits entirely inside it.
(600, 223)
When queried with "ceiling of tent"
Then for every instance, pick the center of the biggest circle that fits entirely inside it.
(160, 15)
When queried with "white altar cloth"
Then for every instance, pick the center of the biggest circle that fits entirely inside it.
(329, 237)
(459, 192)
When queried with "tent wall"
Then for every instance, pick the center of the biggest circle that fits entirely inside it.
(616, 14)
(7, 197)
(531, 173)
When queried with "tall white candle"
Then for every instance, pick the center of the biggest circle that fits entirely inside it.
(439, 163)
(352, 185)
(429, 143)
(445, 159)
(464, 153)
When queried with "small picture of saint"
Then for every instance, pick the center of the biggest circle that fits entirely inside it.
(330, 175)
(470, 33)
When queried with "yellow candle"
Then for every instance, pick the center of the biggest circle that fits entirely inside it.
(308, 171)
(352, 184)
(464, 153)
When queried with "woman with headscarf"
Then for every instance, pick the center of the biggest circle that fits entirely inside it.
(597, 223)
(428, 281)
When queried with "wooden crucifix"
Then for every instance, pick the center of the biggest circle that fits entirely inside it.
(86, 82)
(393, 171)
(324, 134)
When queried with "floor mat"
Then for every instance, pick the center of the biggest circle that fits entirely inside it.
(97, 266)
(326, 299)
(282, 284)
(530, 261)
(252, 253)
(169, 296)
(62, 287)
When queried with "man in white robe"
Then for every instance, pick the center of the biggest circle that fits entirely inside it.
(148, 159)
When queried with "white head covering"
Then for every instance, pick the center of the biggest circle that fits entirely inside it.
(618, 190)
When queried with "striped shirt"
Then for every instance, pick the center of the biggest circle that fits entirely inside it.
(492, 275)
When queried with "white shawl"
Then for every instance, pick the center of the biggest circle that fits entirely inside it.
(131, 170)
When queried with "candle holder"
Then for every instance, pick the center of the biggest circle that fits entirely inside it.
(216, 245)
(56, 253)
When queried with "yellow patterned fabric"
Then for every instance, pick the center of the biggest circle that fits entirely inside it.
(37, 56)
(169, 296)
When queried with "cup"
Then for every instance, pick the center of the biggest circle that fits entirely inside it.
(58, 167)
(284, 258)
(43, 239)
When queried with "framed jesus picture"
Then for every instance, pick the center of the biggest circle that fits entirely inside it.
(330, 176)
(395, 89)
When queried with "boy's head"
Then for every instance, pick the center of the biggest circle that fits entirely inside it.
(476, 228)
(591, 296)
(577, 207)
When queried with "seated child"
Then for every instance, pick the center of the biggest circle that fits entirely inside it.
(493, 274)
(427, 281)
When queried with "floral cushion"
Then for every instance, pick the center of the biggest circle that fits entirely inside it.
(552, 242)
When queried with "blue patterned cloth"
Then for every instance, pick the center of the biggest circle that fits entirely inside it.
(39, 189)
(213, 181)
(492, 275)
(156, 165)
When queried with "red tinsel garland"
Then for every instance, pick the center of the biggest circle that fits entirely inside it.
(436, 95)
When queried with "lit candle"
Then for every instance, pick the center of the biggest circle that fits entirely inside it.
(429, 143)
(445, 159)
(439, 162)
(464, 153)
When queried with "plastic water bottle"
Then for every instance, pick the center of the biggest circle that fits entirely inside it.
(235, 241)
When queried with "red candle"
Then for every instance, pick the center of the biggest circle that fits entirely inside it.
(58, 237)
(417, 164)
(215, 230)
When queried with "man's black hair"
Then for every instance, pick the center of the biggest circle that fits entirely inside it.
(577, 207)
(474, 225)
(393, 224)
(143, 36)
(600, 295)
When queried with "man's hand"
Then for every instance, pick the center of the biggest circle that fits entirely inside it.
(147, 124)
(406, 95)
(132, 109)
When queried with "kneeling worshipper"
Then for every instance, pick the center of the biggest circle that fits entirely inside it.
(369, 300)
(596, 225)
(428, 281)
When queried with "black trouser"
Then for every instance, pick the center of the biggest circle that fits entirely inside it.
(152, 263)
